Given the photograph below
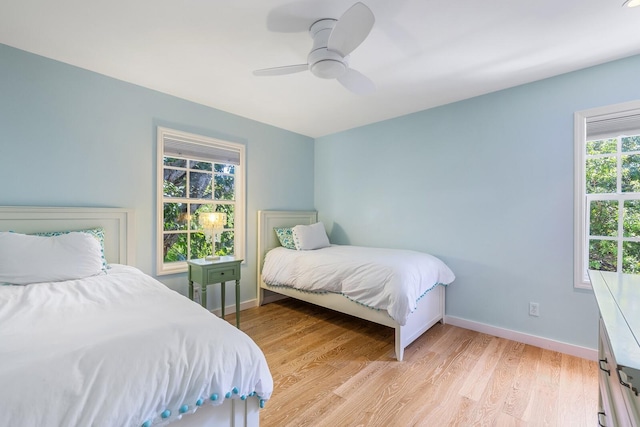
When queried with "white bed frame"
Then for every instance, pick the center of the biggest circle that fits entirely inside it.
(119, 242)
(430, 308)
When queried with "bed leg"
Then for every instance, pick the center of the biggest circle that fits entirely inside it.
(442, 303)
(399, 346)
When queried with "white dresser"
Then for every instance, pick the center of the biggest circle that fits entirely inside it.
(618, 297)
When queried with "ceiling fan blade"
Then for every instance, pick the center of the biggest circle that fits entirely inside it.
(357, 82)
(351, 29)
(278, 71)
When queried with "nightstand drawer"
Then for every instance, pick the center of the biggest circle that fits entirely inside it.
(217, 276)
(204, 272)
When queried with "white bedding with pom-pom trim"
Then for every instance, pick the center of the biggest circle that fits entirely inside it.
(392, 280)
(118, 349)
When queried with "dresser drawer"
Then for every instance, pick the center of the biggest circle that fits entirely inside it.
(217, 276)
(630, 396)
(622, 411)
(606, 412)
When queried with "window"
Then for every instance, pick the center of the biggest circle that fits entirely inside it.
(197, 174)
(607, 180)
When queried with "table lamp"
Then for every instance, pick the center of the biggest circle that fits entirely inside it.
(213, 224)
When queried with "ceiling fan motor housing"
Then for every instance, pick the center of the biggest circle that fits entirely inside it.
(325, 63)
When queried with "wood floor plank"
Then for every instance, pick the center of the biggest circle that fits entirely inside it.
(570, 387)
(497, 388)
(520, 395)
(589, 383)
(452, 412)
(506, 420)
(426, 399)
(404, 393)
(543, 409)
(334, 370)
(444, 401)
(478, 379)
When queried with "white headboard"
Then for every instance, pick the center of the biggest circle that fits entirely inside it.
(267, 238)
(117, 223)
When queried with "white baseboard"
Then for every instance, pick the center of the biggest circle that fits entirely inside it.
(573, 350)
(232, 308)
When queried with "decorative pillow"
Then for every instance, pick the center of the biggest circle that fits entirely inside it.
(308, 237)
(28, 259)
(97, 233)
(285, 237)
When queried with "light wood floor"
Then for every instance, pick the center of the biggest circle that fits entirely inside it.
(330, 369)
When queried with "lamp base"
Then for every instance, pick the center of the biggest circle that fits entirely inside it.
(212, 257)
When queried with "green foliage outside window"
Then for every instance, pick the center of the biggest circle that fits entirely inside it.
(188, 192)
(613, 187)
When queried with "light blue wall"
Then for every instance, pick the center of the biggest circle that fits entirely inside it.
(487, 185)
(70, 137)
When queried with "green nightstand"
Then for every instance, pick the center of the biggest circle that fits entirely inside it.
(207, 272)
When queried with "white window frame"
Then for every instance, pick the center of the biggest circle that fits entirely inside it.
(163, 268)
(581, 200)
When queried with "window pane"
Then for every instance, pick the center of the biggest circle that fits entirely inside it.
(222, 168)
(229, 210)
(203, 166)
(602, 146)
(175, 247)
(631, 257)
(601, 175)
(196, 210)
(225, 189)
(175, 183)
(225, 247)
(604, 218)
(199, 185)
(631, 143)
(200, 247)
(175, 216)
(631, 173)
(631, 219)
(172, 161)
(603, 255)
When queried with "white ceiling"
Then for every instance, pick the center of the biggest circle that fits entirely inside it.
(420, 53)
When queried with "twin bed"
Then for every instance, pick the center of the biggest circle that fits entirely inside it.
(410, 312)
(115, 348)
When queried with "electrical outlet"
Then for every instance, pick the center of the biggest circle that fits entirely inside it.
(534, 309)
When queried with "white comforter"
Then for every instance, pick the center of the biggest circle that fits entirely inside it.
(383, 279)
(117, 350)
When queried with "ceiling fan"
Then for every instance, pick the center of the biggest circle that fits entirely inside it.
(333, 41)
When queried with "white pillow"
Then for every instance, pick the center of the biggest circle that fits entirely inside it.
(28, 259)
(308, 237)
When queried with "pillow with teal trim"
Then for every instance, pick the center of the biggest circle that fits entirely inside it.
(97, 233)
(26, 259)
(310, 237)
(285, 236)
